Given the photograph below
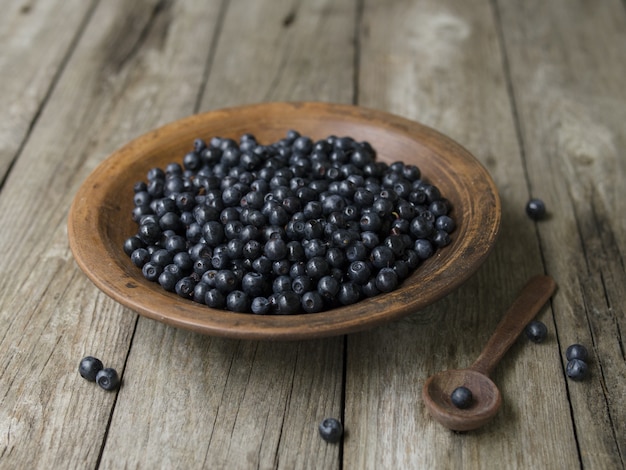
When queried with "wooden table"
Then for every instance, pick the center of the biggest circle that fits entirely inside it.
(536, 90)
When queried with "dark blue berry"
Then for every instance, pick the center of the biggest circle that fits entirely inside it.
(275, 249)
(386, 280)
(349, 293)
(139, 257)
(108, 379)
(359, 272)
(382, 256)
(331, 430)
(199, 292)
(287, 303)
(536, 331)
(214, 299)
(423, 248)
(238, 301)
(312, 302)
(576, 369)
(536, 209)
(168, 279)
(89, 367)
(151, 271)
(255, 284)
(461, 397)
(577, 351)
(260, 305)
(184, 287)
(226, 281)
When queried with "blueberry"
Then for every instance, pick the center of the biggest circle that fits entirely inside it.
(151, 271)
(536, 331)
(382, 256)
(359, 272)
(168, 279)
(238, 301)
(312, 302)
(275, 249)
(214, 299)
(577, 351)
(576, 369)
(260, 305)
(184, 287)
(386, 280)
(139, 257)
(255, 284)
(536, 209)
(445, 223)
(349, 293)
(331, 430)
(461, 397)
(287, 303)
(89, 367)
(108, 379)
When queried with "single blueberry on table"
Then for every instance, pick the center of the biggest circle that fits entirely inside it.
(536, 331)
(461, 397)
(108, 379)
(577, 351)
(576, 369)
(89, 367)
(331, 430)
(536, 209)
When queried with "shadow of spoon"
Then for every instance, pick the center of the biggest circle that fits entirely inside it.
(486, 398)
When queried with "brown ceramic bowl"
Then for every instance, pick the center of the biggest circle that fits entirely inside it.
(100, 221)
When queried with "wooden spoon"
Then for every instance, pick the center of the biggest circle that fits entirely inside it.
(486, 397)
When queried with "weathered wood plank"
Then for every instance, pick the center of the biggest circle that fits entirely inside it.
(250, 404)
(568, 63)
(441, 63)
(35, 40)
(117, 84)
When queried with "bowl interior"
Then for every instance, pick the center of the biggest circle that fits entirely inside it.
(100, 221)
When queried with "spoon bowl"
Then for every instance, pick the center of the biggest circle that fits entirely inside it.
(485, 403)
(486, 399)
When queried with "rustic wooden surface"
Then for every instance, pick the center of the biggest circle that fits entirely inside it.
(534, 89)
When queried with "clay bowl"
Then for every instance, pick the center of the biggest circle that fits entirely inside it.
(100, 221)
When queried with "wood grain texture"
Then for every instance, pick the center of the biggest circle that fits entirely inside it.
(36, 41)
(257, 405)
(568, 76)
(534, 89)
(51, 315)
(441, 63)
(286, 50)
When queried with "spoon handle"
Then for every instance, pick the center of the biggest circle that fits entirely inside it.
(533, 296)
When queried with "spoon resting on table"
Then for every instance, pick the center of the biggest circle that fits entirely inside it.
(486, 397)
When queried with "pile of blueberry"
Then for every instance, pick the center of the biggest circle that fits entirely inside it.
(297, 226)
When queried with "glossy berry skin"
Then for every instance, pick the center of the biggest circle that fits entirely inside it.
(89, 367)
(331, 430)
(577, 351)
(238, 301)
(536, 331)
(108, 379)
(461, 397)
(576, 369)
(536, 209)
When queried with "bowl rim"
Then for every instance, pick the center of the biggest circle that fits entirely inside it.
(90, 205)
